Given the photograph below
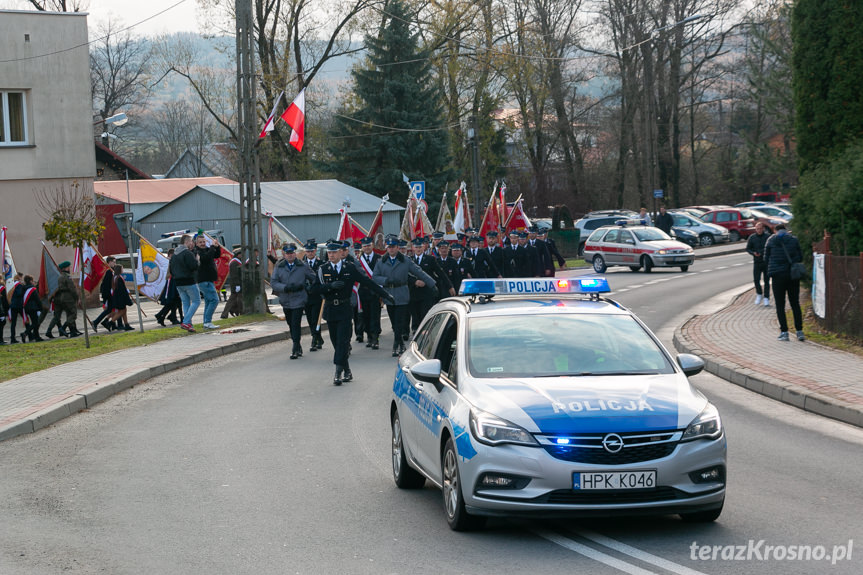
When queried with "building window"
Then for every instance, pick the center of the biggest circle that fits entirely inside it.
(13, 118)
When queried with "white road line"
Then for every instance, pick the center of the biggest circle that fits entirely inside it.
(621, 290)
(638, 553)
(633, 286)
(722, 268)
(705, 271)
(740, 264)
(592, 553)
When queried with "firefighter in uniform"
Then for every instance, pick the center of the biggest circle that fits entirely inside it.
(423, 297)
(371, 303)
(465, 268)
(313, 304)
(483, 266)
(336, 281)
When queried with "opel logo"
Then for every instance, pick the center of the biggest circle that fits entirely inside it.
(612, 443)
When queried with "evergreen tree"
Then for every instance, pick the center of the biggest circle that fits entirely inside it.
(827, 67)
(393, 121)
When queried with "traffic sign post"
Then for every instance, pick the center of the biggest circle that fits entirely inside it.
(418, 189)
(656, 194)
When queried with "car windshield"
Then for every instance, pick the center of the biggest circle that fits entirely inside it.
(557, 345)
(745, 214)
(650, 235)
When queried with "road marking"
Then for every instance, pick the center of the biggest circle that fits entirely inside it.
(722, 268)
(740, 264)
(638, 553)
(705, 271)
(592, 553)
(633, 286)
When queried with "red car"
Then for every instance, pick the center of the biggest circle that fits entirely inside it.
(739, 222)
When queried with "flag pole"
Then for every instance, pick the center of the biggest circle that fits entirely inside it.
(509, 217)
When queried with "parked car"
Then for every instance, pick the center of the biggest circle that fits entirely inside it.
(594, 220)
(684, 235)
(172, 239)
(770, 221)
(739, 222)
(707, 234)
(749, 204)
(775, 211)
(703, 209)
(784, 205)
(635, 246)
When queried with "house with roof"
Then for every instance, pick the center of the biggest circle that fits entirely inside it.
(218, 159)
(141, 197)
(309, 209)
(112, 166)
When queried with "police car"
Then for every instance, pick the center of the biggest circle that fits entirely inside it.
(640, 247)
(540, 397)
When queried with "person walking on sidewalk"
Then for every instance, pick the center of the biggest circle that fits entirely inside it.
(105, 294)
(15, 293)
(208, 275)
(65, 299)
(183, 266)
(289, 283)
(755, 248)
(234, 306)
(780, 251)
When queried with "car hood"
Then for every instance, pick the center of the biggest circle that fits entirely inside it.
(665, 245)
(591, 403)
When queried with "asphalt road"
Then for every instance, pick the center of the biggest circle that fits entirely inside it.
(254, 463)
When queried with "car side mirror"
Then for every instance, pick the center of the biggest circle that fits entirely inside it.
(427, 370)
(690, 364)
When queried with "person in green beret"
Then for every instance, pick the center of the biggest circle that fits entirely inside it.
(65, 299)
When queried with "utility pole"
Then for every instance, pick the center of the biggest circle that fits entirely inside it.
(473, 134)
(250, 188)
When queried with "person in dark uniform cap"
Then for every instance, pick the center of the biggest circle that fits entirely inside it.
(495, 252)
(483, 267)
(290, 277)
(545, 266)
(449, 265)
(424, 296)
(393, 272)
(371, 302)
(437, 238)
(65, 299)
(526, 261)
(336, 280)
(465, 267)
(552, 248)
(313, 304)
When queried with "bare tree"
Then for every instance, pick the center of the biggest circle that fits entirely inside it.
(60, 5)
(119, 70)
(179, 126)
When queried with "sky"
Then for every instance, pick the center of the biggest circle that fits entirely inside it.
(180, 18)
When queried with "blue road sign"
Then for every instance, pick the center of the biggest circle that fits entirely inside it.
(658, 194)
(419, 189)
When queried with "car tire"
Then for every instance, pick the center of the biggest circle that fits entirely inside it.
(405, 476)
(706, 239)
(734, 236)
(581, 249)
(684, 268)
(702, 516)
(453, 500)
(635, 268)
(647, 264)
(599, 264)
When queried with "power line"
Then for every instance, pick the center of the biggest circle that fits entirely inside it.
(171, 7)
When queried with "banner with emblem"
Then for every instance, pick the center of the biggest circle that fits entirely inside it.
(376, 231)
(95, 268)
(152, 271)
(445, 222)
(8, 269)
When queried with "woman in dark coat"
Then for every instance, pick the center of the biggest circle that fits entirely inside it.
(120, 300)
(32, 306)
(16, 305)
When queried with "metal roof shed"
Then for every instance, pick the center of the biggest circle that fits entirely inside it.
(309, 209)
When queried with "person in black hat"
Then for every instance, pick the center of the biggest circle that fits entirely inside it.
(552, 249)
(544, 264)
(510, 255)
(423, 297)
(495, 252)
(448, 265)
(65, 299)
(437, 238)
(336, 281)
(289, 281)
(483, 267)
(464, 266)
(526, 261)
(393, 271)
(315, 301)
(369, 301)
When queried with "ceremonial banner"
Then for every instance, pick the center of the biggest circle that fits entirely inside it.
(376, 231)
(518, 220)
(8, 269)
(223, 263)
(95, 269)
(445, 221)
(49, 274)
(152, 271)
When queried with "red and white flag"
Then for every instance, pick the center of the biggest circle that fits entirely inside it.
(295, 116)
(518, 220)
(268, 125)
(95, 268)
(376, 231)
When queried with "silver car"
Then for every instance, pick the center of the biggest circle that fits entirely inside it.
(537, 397)
(708, 234)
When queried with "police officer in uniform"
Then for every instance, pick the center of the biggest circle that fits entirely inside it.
(313, 304)
(394, 271)
(336, 281)
(526, 261)
(510, 255)
(371, 302)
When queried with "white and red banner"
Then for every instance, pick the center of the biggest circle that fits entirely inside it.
(295, 116)
(271, 119)
(8, 271)
(376, 231)
(95, 269)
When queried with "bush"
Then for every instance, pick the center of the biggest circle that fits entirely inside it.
(830, 197)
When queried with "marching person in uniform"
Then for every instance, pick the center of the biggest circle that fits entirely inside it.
(465, 268)
(105, 294)
(314, 302)
(545, 267)
(289, 282)
(495, 252)
(552, 249)
(65, 299)
(526, 261)
(424, 296)
(4, 308)
(393, 272)
(371, 303)
(15, 292)
(355, 297)
(483, 267)
(336, 281)
(32, 308)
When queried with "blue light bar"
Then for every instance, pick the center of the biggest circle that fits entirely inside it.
(534, 286)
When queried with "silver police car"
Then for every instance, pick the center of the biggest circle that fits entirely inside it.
(540, 397)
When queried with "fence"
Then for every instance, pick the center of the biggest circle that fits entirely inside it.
(843, 291)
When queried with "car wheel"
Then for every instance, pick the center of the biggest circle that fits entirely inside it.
(405, 476)
(635, 268)
(599, 264)
(581, 249)
(706, 239)
(453, 501)
(684, 268)
(702, 516)
(734, 236)
(647, 264)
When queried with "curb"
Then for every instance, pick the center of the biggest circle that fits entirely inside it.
(108, 386)
(773, 388)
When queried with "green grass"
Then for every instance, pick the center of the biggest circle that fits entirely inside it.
(576, 263)
(815, 333)
(21, 359)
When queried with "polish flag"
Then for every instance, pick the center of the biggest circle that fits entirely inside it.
(295, 116)
(268, 126)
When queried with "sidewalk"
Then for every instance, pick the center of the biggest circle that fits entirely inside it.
(738, 344)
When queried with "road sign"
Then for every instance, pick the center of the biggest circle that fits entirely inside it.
(658, 194)
(419, 189)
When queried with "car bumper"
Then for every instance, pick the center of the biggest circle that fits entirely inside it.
(550, 489)
(673, 260)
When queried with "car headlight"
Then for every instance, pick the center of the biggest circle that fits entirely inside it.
(662, 252)
(491, 430)
(707, 425)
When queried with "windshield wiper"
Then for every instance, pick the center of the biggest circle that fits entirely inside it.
(589, 373)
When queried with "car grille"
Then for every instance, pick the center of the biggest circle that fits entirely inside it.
(637, 447)
(570, 497)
